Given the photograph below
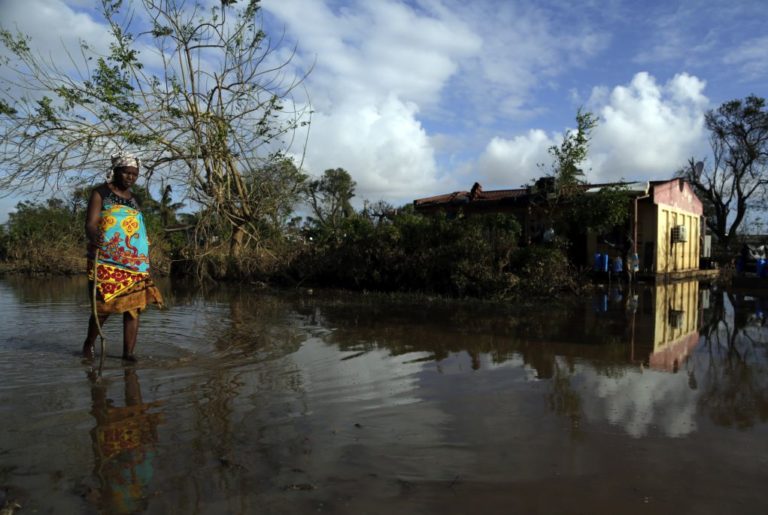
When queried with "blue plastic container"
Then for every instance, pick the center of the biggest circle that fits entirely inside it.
(761, 268)
(604, 263)
(618, 265)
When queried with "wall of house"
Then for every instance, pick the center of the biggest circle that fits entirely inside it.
(680, 256)
(679, 195)
(647, 240)
(677, 204)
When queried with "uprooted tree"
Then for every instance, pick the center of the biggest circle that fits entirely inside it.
(203, 96)
(736, 179)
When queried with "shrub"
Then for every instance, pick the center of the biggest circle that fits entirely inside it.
(411, 252)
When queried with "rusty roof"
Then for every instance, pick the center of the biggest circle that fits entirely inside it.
(477, 195)
(441, 199)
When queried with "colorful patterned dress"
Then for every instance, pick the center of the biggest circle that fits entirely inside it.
(122, 272)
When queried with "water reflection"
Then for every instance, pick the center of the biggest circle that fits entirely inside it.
(710, 346)
(733, 361)
(643, 358)
(124, 445)
(652, 326)
(670, 325)
(291, 402)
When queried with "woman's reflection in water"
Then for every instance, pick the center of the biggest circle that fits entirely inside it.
(123, 445)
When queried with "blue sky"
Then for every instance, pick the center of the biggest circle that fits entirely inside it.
(421, 97)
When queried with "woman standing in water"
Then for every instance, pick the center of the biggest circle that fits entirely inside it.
(118, 255)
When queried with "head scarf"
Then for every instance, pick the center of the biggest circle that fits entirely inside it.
(123, 159)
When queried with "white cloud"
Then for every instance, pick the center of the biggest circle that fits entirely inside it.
(648, 130)
(54, 27)
(509, 163)
(383, 147)
(406, 94)
(374, 50)
(377, 65)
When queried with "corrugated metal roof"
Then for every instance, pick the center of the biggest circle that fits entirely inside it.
(478, 195)
(500, 194)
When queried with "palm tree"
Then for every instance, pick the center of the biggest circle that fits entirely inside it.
(167, 209)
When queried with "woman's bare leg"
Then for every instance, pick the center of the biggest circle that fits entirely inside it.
(93, 332)
(130, 334)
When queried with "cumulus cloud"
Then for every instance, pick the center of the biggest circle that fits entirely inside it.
(509, 163)
(54, 26)
(383, 147)
(382, 68)
(377, 66)
(57, 28)
(646, 131)
(374, 50)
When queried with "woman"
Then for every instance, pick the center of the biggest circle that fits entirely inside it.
(118, 252)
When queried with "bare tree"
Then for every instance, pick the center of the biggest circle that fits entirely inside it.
(737, 178)
(204, 96)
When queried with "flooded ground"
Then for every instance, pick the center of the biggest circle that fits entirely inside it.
(654, 401)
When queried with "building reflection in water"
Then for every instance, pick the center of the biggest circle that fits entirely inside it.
(675, 324)
(124, 440)
(663, 321)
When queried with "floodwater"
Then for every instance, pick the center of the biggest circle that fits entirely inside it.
(652, 401)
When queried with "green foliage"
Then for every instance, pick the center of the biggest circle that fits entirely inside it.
(45, 236)
(412, 252)
(111, 85)
(45, 111)
(568, 157)
(50, 237)
(3, 243)
(566, 205)
(275, 189)
(330, 198)
(601, 211)
(17, 44)
(545, 270)
(559, 198)
(7, 109)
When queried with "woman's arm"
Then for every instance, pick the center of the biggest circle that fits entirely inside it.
(92, 217)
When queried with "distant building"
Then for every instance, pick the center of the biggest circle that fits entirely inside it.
(665, 222)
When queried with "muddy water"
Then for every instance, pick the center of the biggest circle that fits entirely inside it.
(646, 401)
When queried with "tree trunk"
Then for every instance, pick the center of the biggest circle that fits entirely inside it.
(234, 268)
(236, 242)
